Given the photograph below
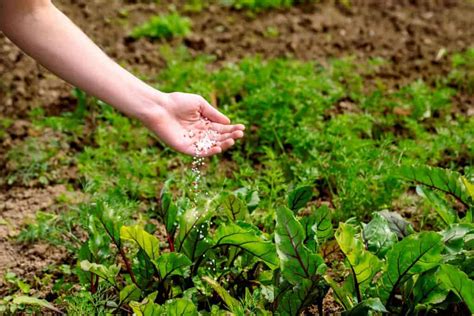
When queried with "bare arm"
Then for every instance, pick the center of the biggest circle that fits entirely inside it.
(48, 36)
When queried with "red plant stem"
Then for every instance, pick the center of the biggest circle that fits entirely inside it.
(170, 241)
(127, 265)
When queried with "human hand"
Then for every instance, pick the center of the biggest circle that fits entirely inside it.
(184, 119)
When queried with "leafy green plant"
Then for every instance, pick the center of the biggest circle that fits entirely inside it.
(164, 26)
(413, 270)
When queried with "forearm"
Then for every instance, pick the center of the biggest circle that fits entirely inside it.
(46, 34)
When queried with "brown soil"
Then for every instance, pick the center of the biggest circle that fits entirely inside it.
(17, 207)
(407, 34)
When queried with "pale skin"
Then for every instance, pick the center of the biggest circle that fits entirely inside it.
(47, 35)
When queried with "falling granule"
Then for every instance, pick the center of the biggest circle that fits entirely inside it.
(206, 140)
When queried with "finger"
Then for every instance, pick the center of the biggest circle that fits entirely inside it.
(211, 152)
(234, 135)
(212, 114)
(226, 144)
(223, 129)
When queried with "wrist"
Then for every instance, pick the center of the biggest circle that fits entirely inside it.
(149, 106)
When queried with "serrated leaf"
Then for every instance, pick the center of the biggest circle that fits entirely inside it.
(149, 243)
(297, 262)
(378, 236)
(233, 304)
(437, 178)
(29, 300)
(413, 255)
(458, 282)
(299, 197)
(364, 264)
(172, 263)
(107, 273)
(248, 240)
(235, 208)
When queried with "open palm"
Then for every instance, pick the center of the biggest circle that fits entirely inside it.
(186, 118)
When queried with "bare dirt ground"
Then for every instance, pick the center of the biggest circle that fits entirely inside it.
(408, 34)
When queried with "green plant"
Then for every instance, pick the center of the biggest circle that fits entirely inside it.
(420, 270)
(164, 26)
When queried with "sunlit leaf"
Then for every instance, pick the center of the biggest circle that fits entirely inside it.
(107, 273)
(364, 264)
(149, 243)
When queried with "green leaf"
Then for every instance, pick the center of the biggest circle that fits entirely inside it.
(428, 290)
(110, 222)
(365, 307)
(454, 237)
(296, 260)
(364, 265)
(180, 307)
(147, 307)
(300, 296)
(378, 236)
(143, 269)
(107, 273)
(342, 295)
(193, 228)
(167, 211)
(129, 293)
(172, 263)
(322, 226)
(248, 240)
(299, 197)
(143, 239)
(446, 213)
(235, 208)
(29, 300)
(397, 223)
(458, 282)
(413, 255)
(444, 180)
(233, 304)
